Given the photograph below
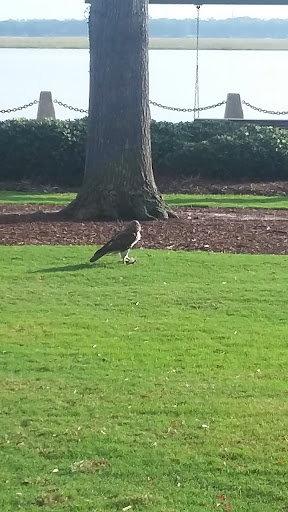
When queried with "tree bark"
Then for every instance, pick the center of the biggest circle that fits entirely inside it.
(118, 180)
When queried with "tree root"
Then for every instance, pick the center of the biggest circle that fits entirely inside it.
(142, 207)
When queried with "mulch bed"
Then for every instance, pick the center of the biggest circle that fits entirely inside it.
(254, 231)
(190, 185)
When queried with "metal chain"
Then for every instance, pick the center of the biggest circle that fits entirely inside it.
(178, 109)
(87, 13)
(82, 110)
(264, 111)
(196, 94)
(16, 109)
(155, 104)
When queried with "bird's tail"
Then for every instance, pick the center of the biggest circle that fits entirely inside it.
(98, 254)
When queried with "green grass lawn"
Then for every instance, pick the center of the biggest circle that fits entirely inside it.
(227, 200)
(197, 200)
(15, 197)
(160, 386)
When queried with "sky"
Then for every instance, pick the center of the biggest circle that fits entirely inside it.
(67, 9)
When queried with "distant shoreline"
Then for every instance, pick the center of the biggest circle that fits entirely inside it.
(155, 43)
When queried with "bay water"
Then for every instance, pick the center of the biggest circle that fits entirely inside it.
(260, 77)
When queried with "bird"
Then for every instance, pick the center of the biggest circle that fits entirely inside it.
(121, 242)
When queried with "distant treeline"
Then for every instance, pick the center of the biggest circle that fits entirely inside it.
(233, 27)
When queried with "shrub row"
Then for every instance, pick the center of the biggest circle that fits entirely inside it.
(53, 152)
(50, 152)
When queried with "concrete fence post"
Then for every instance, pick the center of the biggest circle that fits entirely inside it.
(46, 108)
(233, 109)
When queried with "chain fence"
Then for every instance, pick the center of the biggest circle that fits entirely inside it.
(69, 107)
(264, 111)
(154, 104)
(16, 109)
(178, 109)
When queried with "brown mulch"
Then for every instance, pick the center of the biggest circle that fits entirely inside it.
(254, 231)
(190, 185)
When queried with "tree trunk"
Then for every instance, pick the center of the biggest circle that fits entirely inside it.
(118, 179)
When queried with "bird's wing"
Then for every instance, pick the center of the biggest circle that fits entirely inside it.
(121, 241)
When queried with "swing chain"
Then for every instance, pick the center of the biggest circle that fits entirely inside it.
(196, 96)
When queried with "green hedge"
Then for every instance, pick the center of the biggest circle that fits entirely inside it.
(50, 152)
(53, 152)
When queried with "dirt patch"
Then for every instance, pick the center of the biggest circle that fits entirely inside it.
(254, 231)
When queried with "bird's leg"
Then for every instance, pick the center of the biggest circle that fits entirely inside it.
(126, 258)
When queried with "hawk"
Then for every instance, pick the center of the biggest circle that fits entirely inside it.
(122, 242)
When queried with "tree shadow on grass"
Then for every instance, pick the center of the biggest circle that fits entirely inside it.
(69, 268)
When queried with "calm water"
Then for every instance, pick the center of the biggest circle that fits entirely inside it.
(260, 77)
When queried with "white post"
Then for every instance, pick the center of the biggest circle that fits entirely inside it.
(233, 109)
(46, 108)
